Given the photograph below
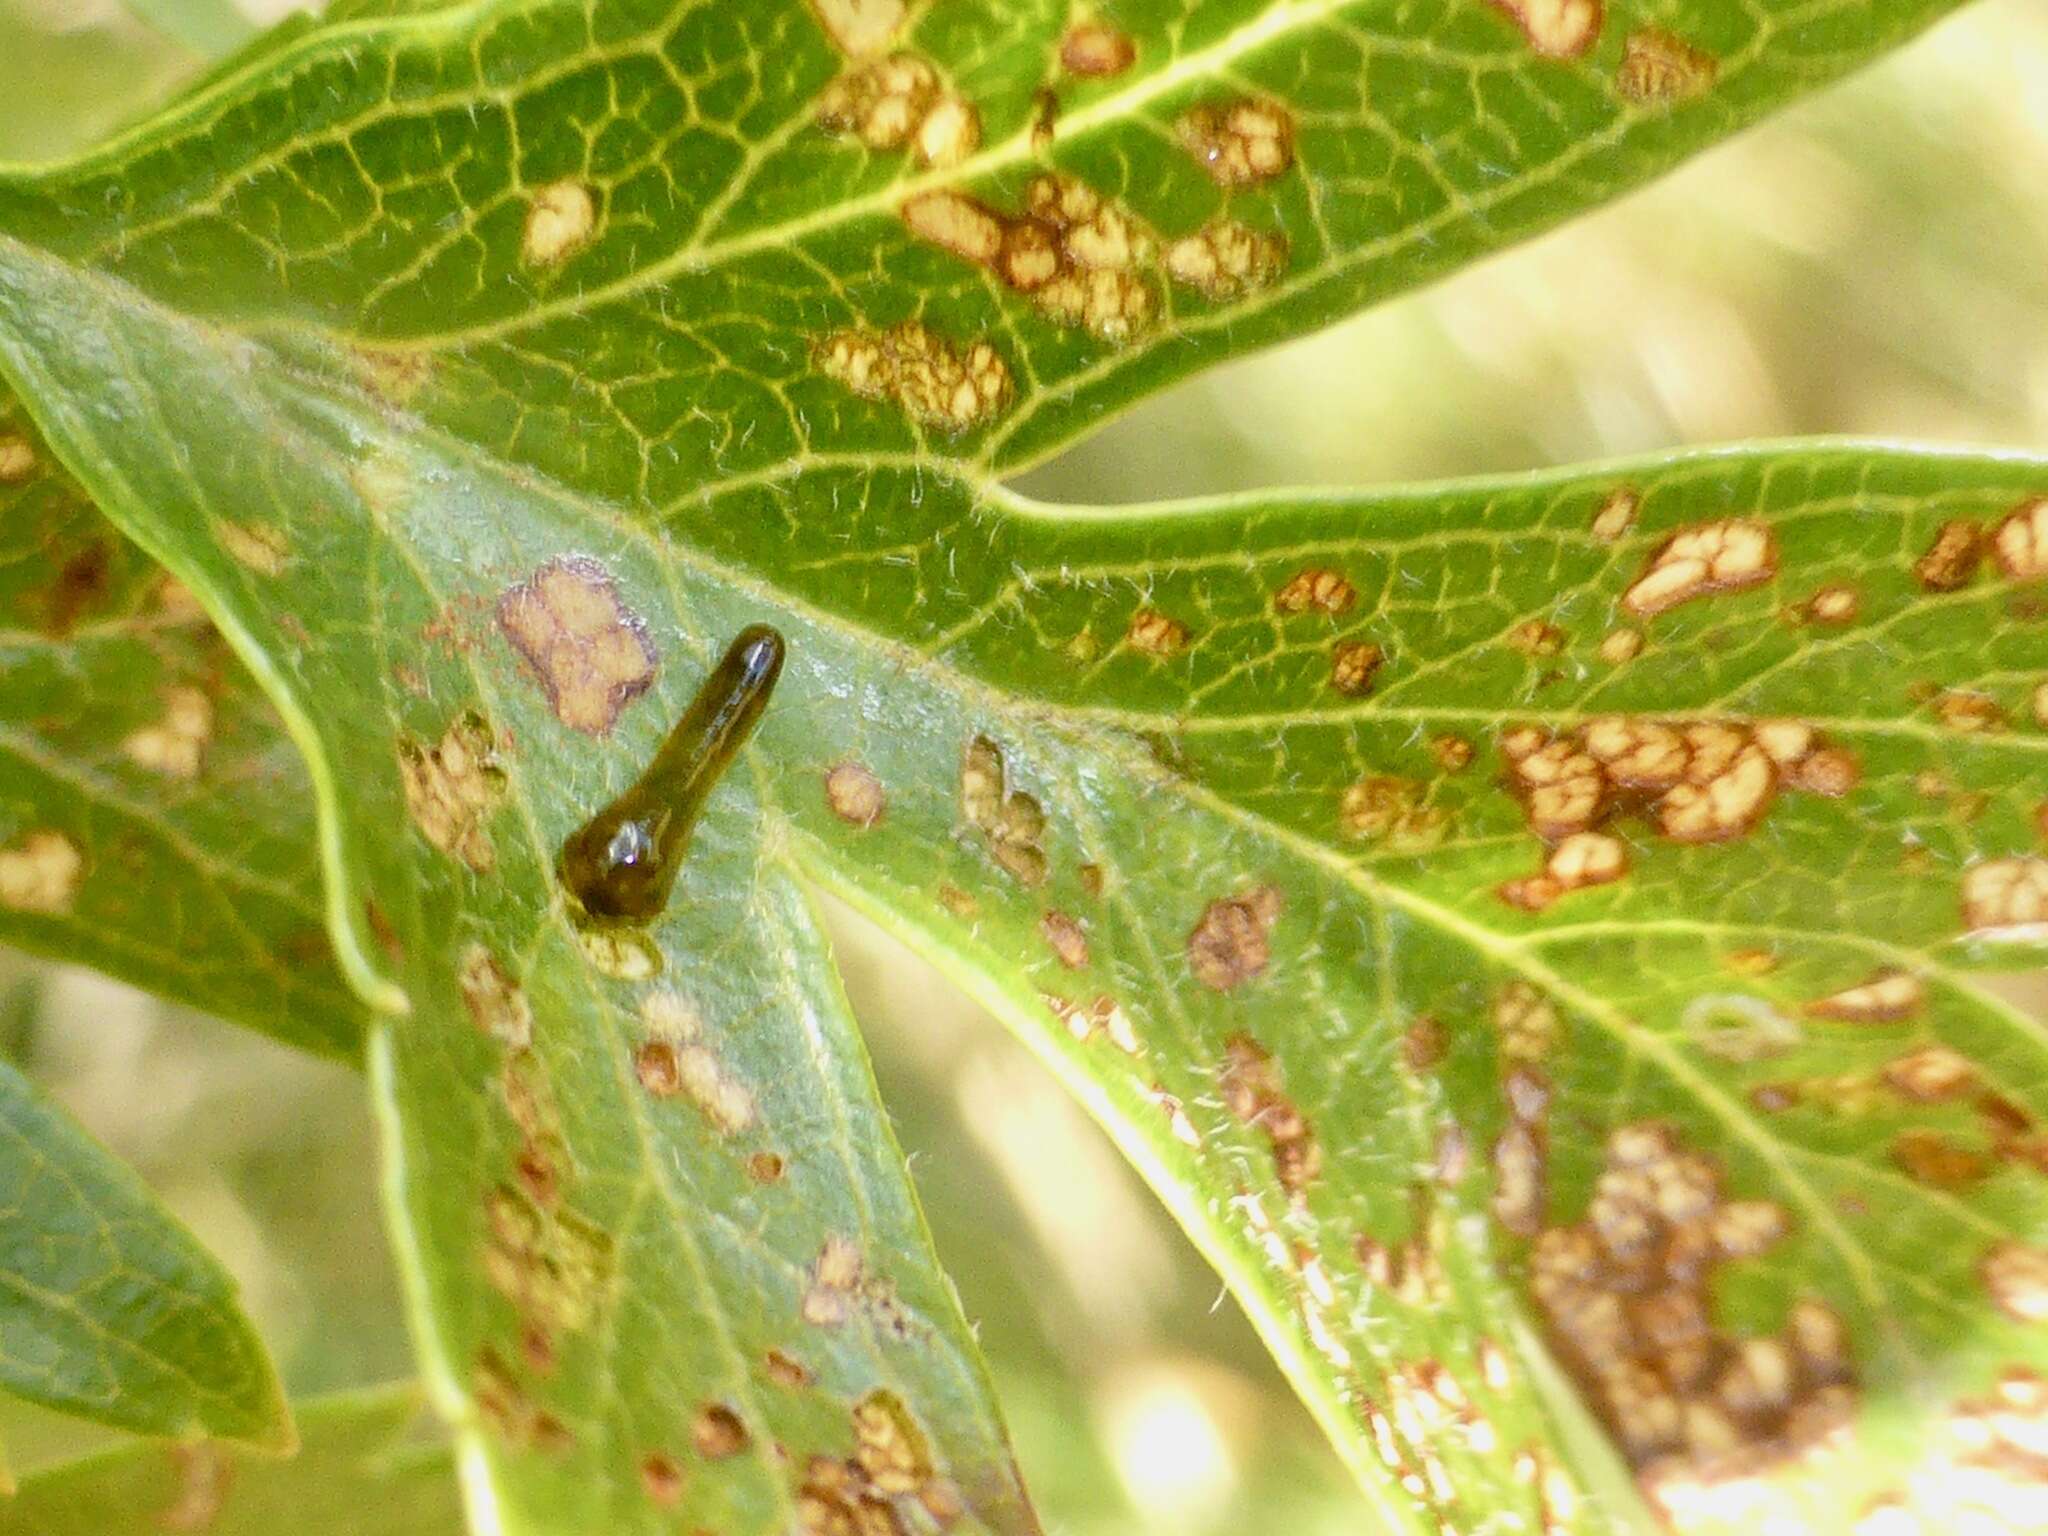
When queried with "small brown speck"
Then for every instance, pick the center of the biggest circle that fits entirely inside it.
(1228, 945)
(661, 1479)
(717, 1432)
(1064, 936)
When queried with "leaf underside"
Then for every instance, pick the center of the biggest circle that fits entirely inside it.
(483, 369)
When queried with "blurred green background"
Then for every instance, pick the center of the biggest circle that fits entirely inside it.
(1874, 263)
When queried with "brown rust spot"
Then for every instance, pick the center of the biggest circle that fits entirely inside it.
(1229, 944)
(855, 794)
(1937, 1160)
(497, 1004)
(588, 651)
(785, 1370)
(1156, 634)
(1951, 560)
(175, 746)
(1064, 936)
(453, 789)
(1933, 1074)
(1011, 822)
(81, 583)
(1316, 589)
(2020, 541)
(932, 382)
(1094, 49)
(1658, 67)
(1722, 556)
(40, 872)
(1557, 29)
(1967, 713)
(717, 1432)
(661, 1479)
(1225, 259)
(1536, 638)
(1354, 664)
(1453, 754)
(766, 1167)
(667, 1069)
(1252, 1091)
(1239, 143)
(510, 1411)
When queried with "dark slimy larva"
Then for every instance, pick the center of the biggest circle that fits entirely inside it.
(621, 864)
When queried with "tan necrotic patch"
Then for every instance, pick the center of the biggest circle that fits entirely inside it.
(40, 872)
(1727, 555)
(918, 370)
(1832, 605)
(674, 1062)
(1886, 997)
(258, 546)
(497, 1004)
(1657, 67)
(453, 789)
(1230, 944)
(1011, 822)
(2006, 895)
(560, 220)
(1253, 1092)
(889, 1445)
(1080, 258)
(1240, 143)
(1579, 860)
(860, 27)
(1697, 781)
(1095, 50)
(1627, 1297)
(2015, 1274)
(550, 1263)
(855, 794)
(1621, 645)
(842, 1285)
(587, 650)
(175, 746)
(1225, 259)
(899, 101)
(1065, 938)
(17, 458)
(1616, 516)
(1557, 29)
(2020, 541)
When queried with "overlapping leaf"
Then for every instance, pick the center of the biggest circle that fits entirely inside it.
(491, 347)
(108, 1307)
(156, 822)
(354, 1475)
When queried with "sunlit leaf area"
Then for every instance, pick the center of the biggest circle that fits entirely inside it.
(1194, 656)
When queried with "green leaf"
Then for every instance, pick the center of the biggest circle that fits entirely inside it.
(110, 1309)
(526, 342)
(353, 1475)
(153, 820)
